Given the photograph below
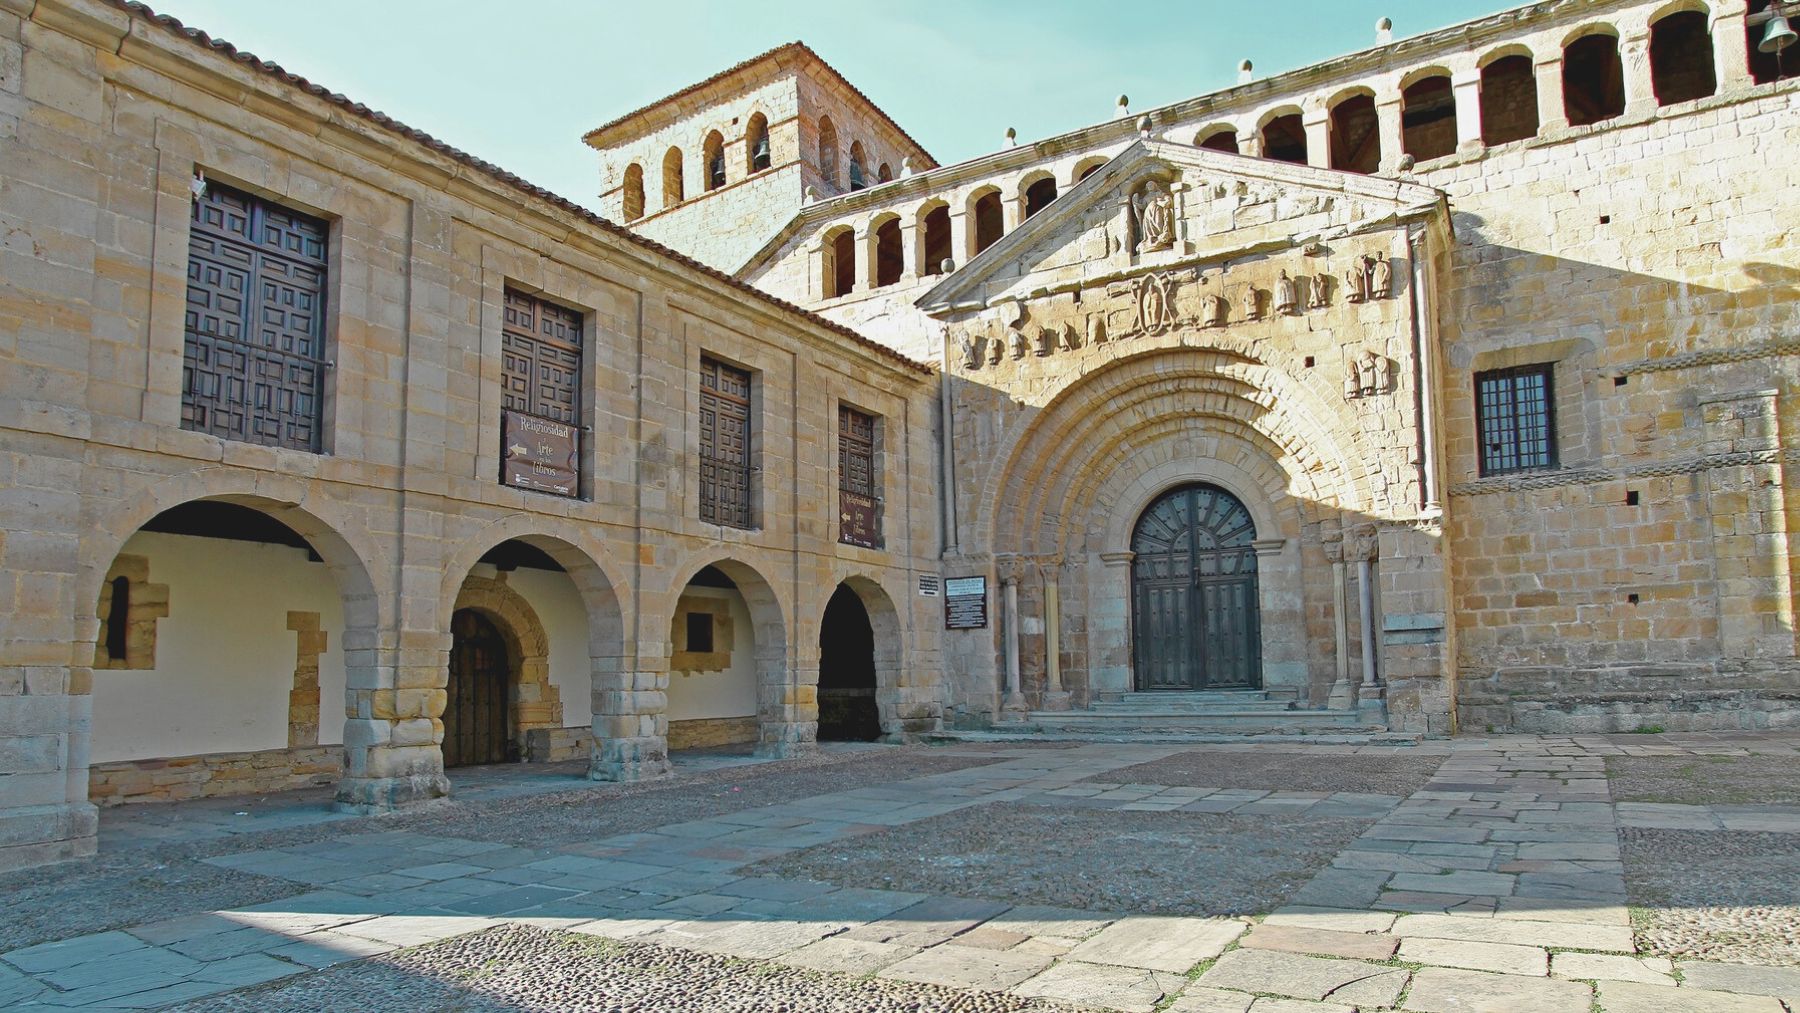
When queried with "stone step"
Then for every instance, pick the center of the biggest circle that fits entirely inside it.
(1025, 732)
(1234, 721)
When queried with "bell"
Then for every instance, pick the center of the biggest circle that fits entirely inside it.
(1778, 36)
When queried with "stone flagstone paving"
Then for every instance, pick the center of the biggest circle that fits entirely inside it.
(1499, 884)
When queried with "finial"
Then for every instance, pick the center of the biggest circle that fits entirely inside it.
(906, 168)
(1245, 73)
(1384, 31)
(1012, 137)
(1144, 126)
(1123, 108)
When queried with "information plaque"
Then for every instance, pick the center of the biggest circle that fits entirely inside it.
(965, 603)
(539, 454)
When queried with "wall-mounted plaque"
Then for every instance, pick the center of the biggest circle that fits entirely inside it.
(965, 603)
(539, 454)
(929, 585)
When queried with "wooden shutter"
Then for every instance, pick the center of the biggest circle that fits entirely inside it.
(253, 363)
(859, 502)
(540, 350)
(724, 444)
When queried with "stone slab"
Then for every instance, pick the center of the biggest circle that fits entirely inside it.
(1524, 933)
(1293, 976)
(1605, 967)
(1334, 919)
(1198, 999)
(1298, 939)
(847, 956)
(1505, 958)
(1441, 990)
(1131, 989)
(1159, 943)
(966, 967)
(1631, 997)
(1783, 982)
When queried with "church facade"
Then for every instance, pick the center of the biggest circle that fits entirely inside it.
(1445, 386)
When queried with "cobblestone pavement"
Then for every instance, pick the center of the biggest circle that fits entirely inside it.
(1510, 880)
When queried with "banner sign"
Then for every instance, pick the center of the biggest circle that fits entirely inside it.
(539, 454)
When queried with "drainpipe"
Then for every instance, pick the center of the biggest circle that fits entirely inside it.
(947, 450)
(1424, 373)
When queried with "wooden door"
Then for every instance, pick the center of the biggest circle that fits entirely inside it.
(1195, 619)
(477, 716)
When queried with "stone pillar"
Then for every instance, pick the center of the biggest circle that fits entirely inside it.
(1640, 88)
(865, 259)
(1753, 555)
(1250, 143)
(1388, 130)
(1015, 211)
(1317, 122)
(912, 250)
(1465, 85)
(787, 701)
(962, 236)
(1343, 695)
(1731, 62)
(631, 722)
(1552, 118)
(1012, 705)
(1055, 697)
(1109, 627)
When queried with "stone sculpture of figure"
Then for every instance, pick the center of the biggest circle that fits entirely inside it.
(1315, 293)
(1046, 341)
(1155, 314)
(1020, 344)
(1287, 302)
(973, 349)
(1356, 280)
(1097, 330)
(1071, 337)
(1252, 303)
(995, 348)
(1381, 277)
(1213, 310)
(1367, 375)
(1156, 217)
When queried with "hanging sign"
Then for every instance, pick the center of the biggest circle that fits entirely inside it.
(965, 603)
(539, 454)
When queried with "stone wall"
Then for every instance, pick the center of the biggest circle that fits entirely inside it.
(175, 778)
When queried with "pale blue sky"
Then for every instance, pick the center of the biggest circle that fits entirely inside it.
(517, 83)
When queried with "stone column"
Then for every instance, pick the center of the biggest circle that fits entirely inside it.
(1015, 211)
(1109, 627)
(1343, 696)
(1552, 118)
(1640, 88)
(631, 722)
(1055, 697)
(1317, 122)
(1250, 143)
(962, 236)
(1752, 551)
(912, 250)
(1465, 86)
(1731, 62)
(865, 259)
(1388, 129)
(1368, 695)
(1012, 705)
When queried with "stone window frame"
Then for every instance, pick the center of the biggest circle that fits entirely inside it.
(723, 630)
(148, 603)
(1516, 420)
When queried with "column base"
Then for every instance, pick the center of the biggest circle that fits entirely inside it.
(36, 835)
(1060, 700)
(787, 739)
(366, 796)
(1013, 708)
(1342, 696)
(1371, 704)
(642, 758)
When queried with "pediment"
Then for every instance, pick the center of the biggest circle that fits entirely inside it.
(1158, 205)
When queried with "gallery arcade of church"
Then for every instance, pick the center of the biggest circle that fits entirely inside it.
(1444, 387)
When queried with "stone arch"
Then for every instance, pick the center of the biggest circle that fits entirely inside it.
(1355, 130)
(1281, 135)
(535, 700)
(886, 250)
(673, 186)
(906, 708)
(986, 217)
(1218, 137)
(1509, 97)
(1575, 35)
(1681, 53)
(758, 153)
(1427, 114)
(631, 200)
(1502, 52)
(1035, 191)
(932, 220)
(837, 262)
(712, 161)
(1085, 167)
(828, 151)
(787, 722)
(1593, 75)
(859, 166)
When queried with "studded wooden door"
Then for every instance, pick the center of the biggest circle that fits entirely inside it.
(724, 444)
(477, 718)
(1193, 587)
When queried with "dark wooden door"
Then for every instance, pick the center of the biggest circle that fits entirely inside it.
(477, 722)
(1193, 590)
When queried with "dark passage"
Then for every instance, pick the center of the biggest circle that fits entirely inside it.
(847, 711)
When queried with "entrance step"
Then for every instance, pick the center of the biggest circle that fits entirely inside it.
(1217, 719)
(1199, 702)
(1028, 732)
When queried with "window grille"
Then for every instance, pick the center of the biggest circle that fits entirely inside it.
(1515, 416)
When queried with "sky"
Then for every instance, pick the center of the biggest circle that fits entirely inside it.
(517, 83)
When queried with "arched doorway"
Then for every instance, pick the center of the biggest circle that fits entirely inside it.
(477, 725)
(847, 707)
(1195, 618)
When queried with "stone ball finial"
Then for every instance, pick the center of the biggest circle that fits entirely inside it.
(1384, 31)
(1123, 107)
(906, 166)
(1012, 137)
(947, 266)
(1245, 72)
(1144, 126)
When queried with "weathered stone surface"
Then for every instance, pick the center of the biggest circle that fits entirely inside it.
(1505, 958)
(965, 967)
(1522, 933)
(1297, 939)
(1435, 990)
(1783, 982)
(1298, 977)
(1631, 997)
(1643, 970)
(847, 956)
(1161, 944)
(1120, 988)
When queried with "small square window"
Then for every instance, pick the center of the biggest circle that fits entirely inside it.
(1515, 418)
(700, 632)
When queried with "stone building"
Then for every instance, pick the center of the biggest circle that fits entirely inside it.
(1442, 384)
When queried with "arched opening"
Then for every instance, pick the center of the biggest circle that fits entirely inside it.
(890, 256)
(221, 639)
(1284, 139)
(990, 220)
(632, 198)
(756, 142)
(477, 718)
(1219, 139)
(1039, 195)
(1509, 100)
(1681, 58)
(840, 262)
(674, 190)
(1766, 67)
(725, 644)
(1428, 118)
(859, 175)
(936, 227)
(884, 174)
(1085, 168)
(847, 707)
(1195, 609)
(828, 152)
(714, 157)
(1355, 135)
(1593, 80)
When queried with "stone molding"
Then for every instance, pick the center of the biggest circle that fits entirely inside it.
(1596, 476)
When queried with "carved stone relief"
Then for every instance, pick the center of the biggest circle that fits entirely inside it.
(1368, 373)
(1287, 300)
(1154, 209)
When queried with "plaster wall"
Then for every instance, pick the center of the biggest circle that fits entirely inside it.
(727, 692)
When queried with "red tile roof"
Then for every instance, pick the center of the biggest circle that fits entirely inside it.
(496, 173)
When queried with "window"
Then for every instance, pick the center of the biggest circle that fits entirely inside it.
(1516, 419)
(890, 257)
(632, 197)
(1039, 195)
(1284, 139)
(1764, 67)
(756, 140)
(1428, 118)
(1222, 139)
(1593, 80)
(674, 189)
(1355, 135)
(715, 160)
(700, 632)
(540, 395)
(859, 500)
(1681, 58)
(724, 444)
(1509, 102)
(937, 240)
(990, 221)
(253, 362)
(828, 152)
(840, 263)
(859, 179)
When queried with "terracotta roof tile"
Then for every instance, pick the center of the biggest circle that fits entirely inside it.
(496, 173)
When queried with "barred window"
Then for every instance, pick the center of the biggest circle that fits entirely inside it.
(724, 444)
(859, 485)
(253, 354)
(1516, 418)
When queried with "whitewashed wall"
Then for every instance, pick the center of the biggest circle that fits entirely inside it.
(727, 694)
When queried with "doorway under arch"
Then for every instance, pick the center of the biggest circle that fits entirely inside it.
(477, 711)
(1195, 616)
(848, 711)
